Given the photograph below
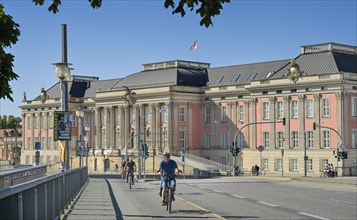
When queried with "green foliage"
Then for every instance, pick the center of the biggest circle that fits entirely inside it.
(205, 8)
(9, 35)
(10, 122)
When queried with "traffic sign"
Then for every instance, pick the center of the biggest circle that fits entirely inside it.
(37, 145)
(260, 148)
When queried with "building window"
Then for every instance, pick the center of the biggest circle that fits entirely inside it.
(294, 109)
(105, 116)
(148, 137)
(224, 140)
(280, 109)
(325, 107)
(324, 163)
(354, 138)
(310, 139)
(164, 138)
(182, 114)
(293, 165)
(182, 139)
(224, 160)
(207, 114)
(43, 122)
(118, 116)
(326, 139)
(354, 106)
(241, 113)
(50, 143)
(309, 108)
(148, 115)
(295, 139)
(234, 78)
(310, 166)
(218, 79)
(279, 164)
(132, 115)
(117, 134)
(29, 144)
(280, 136)
(266, 139)
(224, 114)
(207, 140)
(36, 121)
(50, 120)
(265, 110)
(165, 113)
(265, 164)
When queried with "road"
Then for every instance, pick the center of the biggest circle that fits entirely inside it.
(218, 198)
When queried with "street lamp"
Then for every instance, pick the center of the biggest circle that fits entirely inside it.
(63, 73)
(80, 115)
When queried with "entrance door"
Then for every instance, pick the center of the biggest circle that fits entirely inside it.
(106, 165)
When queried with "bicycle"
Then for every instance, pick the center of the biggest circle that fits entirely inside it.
(326, 174)
(168, 193)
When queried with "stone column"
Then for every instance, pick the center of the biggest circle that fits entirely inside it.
(272, 117)
(301, 116)
(112, 129)
(254, 102)
(234, 115)
(123, 127)
(317, 116)
(189, 134)
(213, 124)
(246, 121)
(127, 125)
(156, 128)
(98, 130)
(287, 124)
(169, 126)
(175, 128)
(33, 130)
(339, 118)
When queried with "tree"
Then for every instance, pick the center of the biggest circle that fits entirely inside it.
(10, 122)
(9, 35)
(10, 30)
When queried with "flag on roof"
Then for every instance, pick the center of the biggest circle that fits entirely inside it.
(194, 46)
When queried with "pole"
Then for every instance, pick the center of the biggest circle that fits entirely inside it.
(305, 157)
(80, 140)
(64, 88)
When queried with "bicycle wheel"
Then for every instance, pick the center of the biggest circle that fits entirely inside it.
(130, 183)
(169, 199)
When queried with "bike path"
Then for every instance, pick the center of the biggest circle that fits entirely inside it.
(107, 198)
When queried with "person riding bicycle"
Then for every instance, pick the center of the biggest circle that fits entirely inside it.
(168, 168)
(130, 168)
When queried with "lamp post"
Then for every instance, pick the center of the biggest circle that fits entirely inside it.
(80, 115)
(63, 73)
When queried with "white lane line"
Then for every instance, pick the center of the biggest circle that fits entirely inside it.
(299, 194)
(218, 191)
(335, 200)
(268, 204)
(201, 187)
(313, 216)
(241, 197)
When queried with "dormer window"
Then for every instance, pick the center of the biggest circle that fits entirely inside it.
(218, 79)
(252, 76)
(234, 78)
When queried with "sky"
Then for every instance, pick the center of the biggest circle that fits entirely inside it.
(115, 40)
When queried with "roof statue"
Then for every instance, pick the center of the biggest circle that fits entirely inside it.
(43, 95)
(129, 96)
(294, 73)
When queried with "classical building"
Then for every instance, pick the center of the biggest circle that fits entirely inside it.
(288, 115)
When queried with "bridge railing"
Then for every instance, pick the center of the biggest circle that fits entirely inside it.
(42, 198)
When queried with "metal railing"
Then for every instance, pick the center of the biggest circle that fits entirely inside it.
(42, 198)
(207, 163)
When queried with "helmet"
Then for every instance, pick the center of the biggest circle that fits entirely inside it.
(167, 154)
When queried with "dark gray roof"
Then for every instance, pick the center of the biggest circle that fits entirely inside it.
(322, 63)
(165, 77)
(246, 73)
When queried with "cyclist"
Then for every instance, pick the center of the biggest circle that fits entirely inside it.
(168, 168)
(130, 168)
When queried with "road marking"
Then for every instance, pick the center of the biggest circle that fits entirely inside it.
(203, 209)
(201, 187)
(335, 200)
(268, 204)
(218, 191)
(313, 216)
(241, 197)
(299, 194)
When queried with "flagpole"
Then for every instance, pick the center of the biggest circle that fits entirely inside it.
(197, 53)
